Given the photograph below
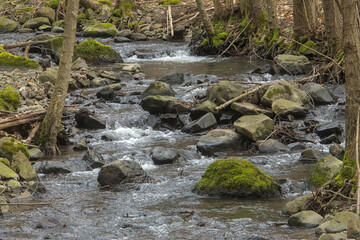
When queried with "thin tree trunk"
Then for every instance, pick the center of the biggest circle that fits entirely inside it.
(273, 22)
(305, 18)
(54, 113)
(205, 18)
(352, 72)
(333, 26)
(257, 12)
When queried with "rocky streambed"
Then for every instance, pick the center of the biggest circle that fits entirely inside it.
(157, 133)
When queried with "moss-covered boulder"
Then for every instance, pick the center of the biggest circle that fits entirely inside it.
(163, 104)
(9, 99)
(7, 59)
(204, 108)
(283, 108)
(324, 170)
(35, 23)
(9, 147)
(308, 48)
(224, 91)
(284, 90)
(100, 30)
(158, 88)
(22, 165)
(47, 12)
(7, 25)
(292, 64)
(24, 14)
(255, 127)
(235, 177)
(94, 52)
(7, 173)
(48, 76)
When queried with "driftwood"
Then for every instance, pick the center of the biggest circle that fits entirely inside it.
(171, 21)
(24, 44)
(33, 132)
(22, 118)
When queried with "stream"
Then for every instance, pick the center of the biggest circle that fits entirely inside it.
(165, 208)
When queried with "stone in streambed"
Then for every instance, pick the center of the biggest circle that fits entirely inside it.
(106, 93)
(271, 146)
(340, 221)
(205, 122)
(235, 177)
(7, 173)
(298, 204)
(311, 155)
(255, 127)
(100, 30)
(158, 88)
(224, 91)
(318, 93)
(163, 104)
(161, 155)
(283, 108)
(84, 119)
(93, 159)
(172, 78)
(120, 172)
(249, 109)
(306, 218)
(286, 63)
(204, 108)
(35, 154)
(7, 25)
(219, 140)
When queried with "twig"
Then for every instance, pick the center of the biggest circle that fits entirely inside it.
(236, 38)
(323, 55)
(239, 97)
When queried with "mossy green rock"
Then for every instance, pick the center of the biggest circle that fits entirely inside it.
(94, 52)
(283, 107)
(255, 127)
(7, 173)
(292, 64)
(235, 177)
(284, 90)
(9, 99)
(22, 165)
(5, 161)
(14, 185)
(9, 147)
(324, 170)
(307, 48)
(55, 45)
(224, 91)
(163, 104)
(204, 108)
(158, 88)
(7, 25)
(47, 12)
(48, 76)
(7, 59)
(35, 23)
(100, 30)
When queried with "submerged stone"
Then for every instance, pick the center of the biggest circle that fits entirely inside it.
(235, 177)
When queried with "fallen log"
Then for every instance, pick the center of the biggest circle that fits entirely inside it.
(24, 44)
(22, 118)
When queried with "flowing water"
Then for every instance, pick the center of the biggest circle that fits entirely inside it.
(165, 208)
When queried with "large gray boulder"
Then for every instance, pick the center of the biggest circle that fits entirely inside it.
(161, 155)
(205, 122)
(271, 146)
(255, 127)
(340, 222)
(84, 119)
(311, 155)
(283, 108)
(35, 23)
(318, 93)
(292, 64)
(7, 25)
(284, 90)
(172, 78)
(306, 218)
(219, 140)
(324, 170)
(120, 172)
(224, 91)
(47, 12)
(163, 104)
(100, 30)
(158, 88)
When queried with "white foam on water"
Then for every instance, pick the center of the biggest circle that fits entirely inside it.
(181, 56)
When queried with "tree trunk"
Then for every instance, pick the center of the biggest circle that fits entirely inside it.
(52, 119)
(352, 72)
(256, 12)
(223, 11)
(305, 18)
(205, 18)
(333, 26)
(272, 18)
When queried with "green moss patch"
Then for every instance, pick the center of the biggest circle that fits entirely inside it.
(170, 2)
(307, 48)
(53, 3)
(236, 177)
(9, 99)
(9, 147)
(94, 52)
(7, 59)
